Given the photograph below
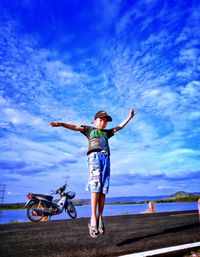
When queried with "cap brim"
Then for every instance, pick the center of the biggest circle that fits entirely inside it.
(109, 118)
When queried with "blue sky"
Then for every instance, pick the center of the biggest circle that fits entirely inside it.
(66, 60)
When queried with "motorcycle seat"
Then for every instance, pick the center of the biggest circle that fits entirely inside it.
(47, 197)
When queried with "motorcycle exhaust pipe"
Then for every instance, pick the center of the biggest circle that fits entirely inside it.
(42, 211)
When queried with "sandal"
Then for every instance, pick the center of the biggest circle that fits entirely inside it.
(93, 231)
(101, 228)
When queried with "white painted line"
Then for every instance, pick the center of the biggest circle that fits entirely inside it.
(163, 250)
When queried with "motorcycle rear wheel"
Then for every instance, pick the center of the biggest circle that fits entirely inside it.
(33, 215)
(71, 210)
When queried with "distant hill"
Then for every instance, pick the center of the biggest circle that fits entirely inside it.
(182, 195)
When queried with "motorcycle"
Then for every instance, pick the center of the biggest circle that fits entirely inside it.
(40, 205)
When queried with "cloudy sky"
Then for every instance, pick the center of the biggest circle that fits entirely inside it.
(66, 60)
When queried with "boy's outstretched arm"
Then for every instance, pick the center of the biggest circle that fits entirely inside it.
(67, 126)
(121, 125)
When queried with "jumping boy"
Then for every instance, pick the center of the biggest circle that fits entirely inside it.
(98, 163)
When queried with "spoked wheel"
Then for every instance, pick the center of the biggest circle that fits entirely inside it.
(71, 210)
(34, 215)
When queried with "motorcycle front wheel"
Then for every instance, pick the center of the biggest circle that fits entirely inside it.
(71, 210)
(34, 215)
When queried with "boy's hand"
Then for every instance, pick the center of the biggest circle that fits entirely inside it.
(54, 124)
(121, 125)
(132, 113)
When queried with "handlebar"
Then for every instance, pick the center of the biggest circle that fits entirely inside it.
(61, 189)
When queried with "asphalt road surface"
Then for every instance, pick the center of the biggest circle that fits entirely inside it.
(125, 234)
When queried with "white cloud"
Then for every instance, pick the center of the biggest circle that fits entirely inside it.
(164, 187)
(195, 115)
(192, 89)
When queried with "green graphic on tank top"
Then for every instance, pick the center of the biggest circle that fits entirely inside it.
(98, 133)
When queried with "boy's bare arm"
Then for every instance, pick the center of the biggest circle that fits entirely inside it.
(121, 125)
(67, 126)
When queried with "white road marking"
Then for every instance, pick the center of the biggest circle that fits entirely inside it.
(163, 250)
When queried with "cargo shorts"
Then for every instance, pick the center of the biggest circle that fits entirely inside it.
(99, 167)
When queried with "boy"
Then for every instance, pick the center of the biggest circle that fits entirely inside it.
(98, 162)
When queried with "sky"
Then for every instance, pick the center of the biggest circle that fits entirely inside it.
(66, 60)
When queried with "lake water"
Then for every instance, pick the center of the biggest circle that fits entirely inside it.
(8, 216)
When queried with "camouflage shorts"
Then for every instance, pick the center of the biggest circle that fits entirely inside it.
(99, 166)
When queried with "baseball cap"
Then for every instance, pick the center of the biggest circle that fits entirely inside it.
(102, 114)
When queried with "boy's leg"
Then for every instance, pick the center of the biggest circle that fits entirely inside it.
(94, 203)
(101, 227)
(101, 205)
(93, 221)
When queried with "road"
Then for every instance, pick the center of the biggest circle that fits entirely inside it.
(125, 234)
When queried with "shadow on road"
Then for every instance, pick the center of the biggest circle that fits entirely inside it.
(170, 230)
